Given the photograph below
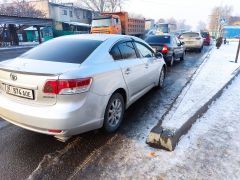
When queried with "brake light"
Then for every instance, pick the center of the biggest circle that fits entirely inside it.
(54, 131)
(165, 49)
(70, 86)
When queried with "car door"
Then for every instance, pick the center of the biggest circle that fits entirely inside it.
(152, 66)
(131, 66)
(175, 47)
(180, 47)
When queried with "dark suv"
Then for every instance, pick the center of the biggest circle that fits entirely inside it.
(168, 45)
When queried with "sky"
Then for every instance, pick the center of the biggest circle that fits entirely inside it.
(191, 10)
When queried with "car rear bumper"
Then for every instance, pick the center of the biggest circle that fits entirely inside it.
(193, 46)
(70, 118)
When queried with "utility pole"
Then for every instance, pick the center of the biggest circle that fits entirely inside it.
(236, 60)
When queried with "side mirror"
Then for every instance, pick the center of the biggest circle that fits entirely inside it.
(158, 55)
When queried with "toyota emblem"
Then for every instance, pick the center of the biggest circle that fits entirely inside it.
(13, 77)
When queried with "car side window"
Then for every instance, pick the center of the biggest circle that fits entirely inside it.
(174, 41)
(115, 52)
(127, 50)
(144, 51)
(178, 42)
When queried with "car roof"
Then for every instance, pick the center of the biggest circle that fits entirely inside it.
(98, 37)
(190, 32)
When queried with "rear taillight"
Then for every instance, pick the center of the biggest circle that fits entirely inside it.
(69, 86)
(165, 49)
(54, 131)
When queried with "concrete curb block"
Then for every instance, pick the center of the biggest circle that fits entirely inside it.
(168, 138)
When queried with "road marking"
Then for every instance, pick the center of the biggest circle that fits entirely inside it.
(51, 159)
(91, 157)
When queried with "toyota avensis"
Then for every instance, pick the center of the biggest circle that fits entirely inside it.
(73, 84)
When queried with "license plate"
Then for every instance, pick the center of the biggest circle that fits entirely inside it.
(20, 92)
(189, 42)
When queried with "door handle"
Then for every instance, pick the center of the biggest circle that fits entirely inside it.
(146, 66)
(127, 71)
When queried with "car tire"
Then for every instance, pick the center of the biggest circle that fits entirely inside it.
(170, 62)
(183, 56)
(200, 50)
(161, 78)
(114, 113)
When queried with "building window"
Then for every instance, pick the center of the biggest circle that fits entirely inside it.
(71, 13)
(84, 14)
(64, 12)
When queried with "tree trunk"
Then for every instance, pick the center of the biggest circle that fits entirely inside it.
(13, 35)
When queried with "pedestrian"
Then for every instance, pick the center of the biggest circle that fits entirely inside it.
(225, 41)
(219, 42)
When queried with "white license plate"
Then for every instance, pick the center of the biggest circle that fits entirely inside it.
(20, 92)
(189, 42)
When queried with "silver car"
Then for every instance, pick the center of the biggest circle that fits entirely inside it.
(73, 84)
(192, 41)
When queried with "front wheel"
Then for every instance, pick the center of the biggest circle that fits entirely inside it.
(114, 113)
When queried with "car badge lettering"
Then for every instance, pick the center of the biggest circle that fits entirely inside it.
(13, 77)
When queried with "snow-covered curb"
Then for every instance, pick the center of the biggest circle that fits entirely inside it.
(206, 86)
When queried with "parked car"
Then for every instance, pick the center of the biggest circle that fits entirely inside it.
(77, 83)
(206, 38)
(168, 45)
(192, 41)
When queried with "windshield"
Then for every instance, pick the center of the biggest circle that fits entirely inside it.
(163, 28)
(158, 39)
(101, 22)
(63, 50)
(205, 34)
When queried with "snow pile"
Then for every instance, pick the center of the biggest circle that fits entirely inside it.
(211, 149)
(217, 71)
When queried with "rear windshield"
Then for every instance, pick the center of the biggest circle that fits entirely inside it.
(205, 34)
(63, 50)
(187, 35)
(158, 39)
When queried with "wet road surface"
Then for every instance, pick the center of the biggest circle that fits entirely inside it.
(25, 154)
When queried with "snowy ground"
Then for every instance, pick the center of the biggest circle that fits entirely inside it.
(213, 75)
(211, 149)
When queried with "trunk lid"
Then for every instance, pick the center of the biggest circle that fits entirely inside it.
(23, 80)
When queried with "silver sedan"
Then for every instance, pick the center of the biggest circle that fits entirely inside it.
(192, 41)
(73, 84)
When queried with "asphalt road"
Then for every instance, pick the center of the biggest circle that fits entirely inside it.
(11, 53)
(25, 154)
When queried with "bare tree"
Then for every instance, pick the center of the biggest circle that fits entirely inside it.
(19, 8)
(201, 25)
(218, 14)
(103, 5)
(172, 20)
(161, 20)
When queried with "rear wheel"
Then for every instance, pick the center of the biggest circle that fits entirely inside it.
(183, 56)
(162, 78)
(114, 113)
(171, 61)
